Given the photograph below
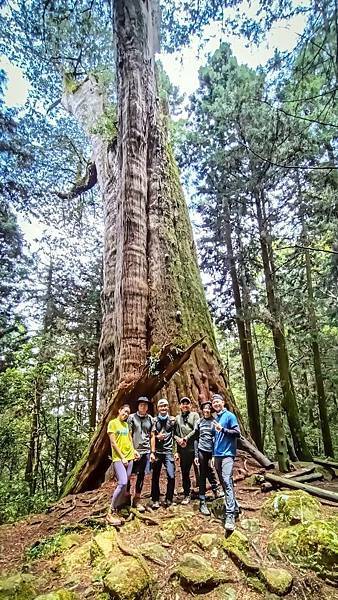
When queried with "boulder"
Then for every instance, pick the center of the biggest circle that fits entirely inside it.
(311, 545)
(226, 593)
(196, 574)
(61, 594)
(77, 558)
(207, 541)
(103, 545)
(174, 528)
(69, 540)
(277, 581)
(127, 580)
(17, 587)
(292, 507)
(237, 547)
(153, 552)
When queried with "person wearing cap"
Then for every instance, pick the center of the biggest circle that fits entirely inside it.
(162, 453)
(225, 444)
(140, 425)
(185, 423)
(203, 436)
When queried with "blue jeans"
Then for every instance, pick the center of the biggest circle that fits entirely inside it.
(224, 466)
(169, 464)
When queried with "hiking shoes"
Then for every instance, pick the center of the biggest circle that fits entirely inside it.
(229, 523)
(155, 505)
(186, 500)
(204, 509)
(219, 493)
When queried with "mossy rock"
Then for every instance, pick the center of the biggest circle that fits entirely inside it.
(226, 593)
(311, 545)
(196, 574)
(61, 594)
(254, 583)
(237, 547)
(127, 580)
(154, 552)
(174, 528)
(292, 507)
(277, 581)
(207, 541)
(69, 540)
(77, 558)
(19, 586)
(252, 525)
(103, 545)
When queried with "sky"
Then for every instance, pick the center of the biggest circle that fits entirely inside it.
(182, 67)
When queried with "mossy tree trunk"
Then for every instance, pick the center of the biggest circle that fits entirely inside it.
(152, 288)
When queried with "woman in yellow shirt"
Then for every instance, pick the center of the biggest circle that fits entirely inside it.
(123, 455)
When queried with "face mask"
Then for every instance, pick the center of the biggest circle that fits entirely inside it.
(162, 417)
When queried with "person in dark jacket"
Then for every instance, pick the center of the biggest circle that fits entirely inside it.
(204, 436)
(225, 444)
(184, 425)
(140, 425)
(163, 447)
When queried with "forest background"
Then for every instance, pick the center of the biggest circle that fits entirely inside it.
(257, 149)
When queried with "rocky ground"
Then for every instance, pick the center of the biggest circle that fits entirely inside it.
(285, 544)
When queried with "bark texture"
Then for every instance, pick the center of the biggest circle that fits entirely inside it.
(153, 292)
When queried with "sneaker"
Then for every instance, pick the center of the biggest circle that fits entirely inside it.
(204, 509)
(155, 505)
(168, 503)
(186, 500)
(219, 493)
(136, 504)
(229, 523)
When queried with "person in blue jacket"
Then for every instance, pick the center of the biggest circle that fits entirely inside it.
(225, 444)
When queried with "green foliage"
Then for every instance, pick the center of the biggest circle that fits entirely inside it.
(106, 125)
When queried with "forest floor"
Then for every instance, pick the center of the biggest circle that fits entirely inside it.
(21, 542)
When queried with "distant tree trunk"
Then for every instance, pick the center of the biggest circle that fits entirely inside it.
(152, 289)
(324, 421)
(33, 457)
(289, 402)
(280, 440)
(93, 401)
(245, 338)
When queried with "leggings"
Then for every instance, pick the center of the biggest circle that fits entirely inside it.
(206, 472)
(122, 473)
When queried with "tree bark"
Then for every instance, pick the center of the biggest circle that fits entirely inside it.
(289, 402)
(245, 338)
(280, 440)
(317, 364)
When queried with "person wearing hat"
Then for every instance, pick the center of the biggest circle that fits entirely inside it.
(185, 425)
(204, 436)
(140, 425)
(225, 444)
(162, 453)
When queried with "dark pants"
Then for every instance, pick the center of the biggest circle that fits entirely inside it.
(206, 471)
(139, 468)
(224, 467)
(186, 462)
(169, 464)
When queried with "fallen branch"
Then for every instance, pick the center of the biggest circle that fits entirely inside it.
(298, 472)
(314, 491)
(263, 460)
(326, 463)
(309, 477)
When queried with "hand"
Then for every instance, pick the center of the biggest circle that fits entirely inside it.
(137, 456)
(161, 436)
(179, 440)
(152, 457)
(184, 443)
(177, 456)
(213, 462)
(197, 462)
(125, 462)
(218, 426)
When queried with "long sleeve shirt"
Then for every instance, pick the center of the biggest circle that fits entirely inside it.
(226, 439)
(204, 435)
(184, 427)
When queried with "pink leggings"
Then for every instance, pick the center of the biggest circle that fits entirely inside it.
(122, 473)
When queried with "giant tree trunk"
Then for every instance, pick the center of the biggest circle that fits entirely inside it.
(152, 289)
(289, 402)
(324, 420)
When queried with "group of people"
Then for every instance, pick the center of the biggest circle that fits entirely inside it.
(140, 441)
